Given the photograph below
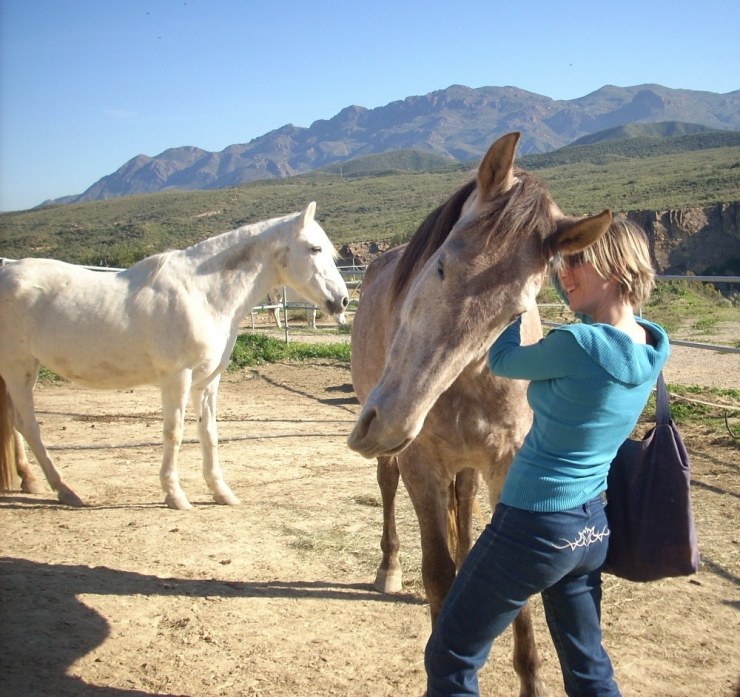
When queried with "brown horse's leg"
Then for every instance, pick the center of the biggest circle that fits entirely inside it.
(527, 663)
(432, 494)
(437, 565)
(466, 489)
(388, 578)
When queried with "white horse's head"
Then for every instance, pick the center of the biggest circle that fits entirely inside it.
(307, 264)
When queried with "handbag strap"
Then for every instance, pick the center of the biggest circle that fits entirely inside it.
(662, 405)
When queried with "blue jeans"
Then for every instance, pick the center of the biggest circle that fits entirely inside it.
(519, 554)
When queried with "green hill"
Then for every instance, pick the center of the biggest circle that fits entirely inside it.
(609, 147)
(661, 129)
(631, 174)
(393, 161)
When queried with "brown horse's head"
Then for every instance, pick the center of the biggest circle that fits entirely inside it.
(477, 262)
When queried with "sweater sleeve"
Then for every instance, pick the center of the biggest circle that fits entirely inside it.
(557, 355)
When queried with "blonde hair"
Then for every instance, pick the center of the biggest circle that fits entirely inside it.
(622, 253)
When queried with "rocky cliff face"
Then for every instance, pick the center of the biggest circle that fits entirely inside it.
(700, 241)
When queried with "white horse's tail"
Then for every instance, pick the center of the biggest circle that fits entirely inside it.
(7, 441)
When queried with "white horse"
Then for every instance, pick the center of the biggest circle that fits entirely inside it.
(170, 320)
(280, 297)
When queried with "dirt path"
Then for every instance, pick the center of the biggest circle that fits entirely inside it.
(274, 597)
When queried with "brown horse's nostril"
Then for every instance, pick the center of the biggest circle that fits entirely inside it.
(362, 426)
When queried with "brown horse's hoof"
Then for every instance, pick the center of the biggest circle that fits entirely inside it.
(388, 581)
(68, 497)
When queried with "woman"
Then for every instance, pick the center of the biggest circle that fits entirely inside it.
(549, 533)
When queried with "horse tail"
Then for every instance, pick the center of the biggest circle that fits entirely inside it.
(462, 505)
(7, 441)
(453, 537)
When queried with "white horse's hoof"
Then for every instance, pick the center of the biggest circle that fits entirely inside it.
(178, 503)
(226, 498)
(68, 497)
(388, 581)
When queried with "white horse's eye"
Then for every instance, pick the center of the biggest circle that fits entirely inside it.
(316, 250)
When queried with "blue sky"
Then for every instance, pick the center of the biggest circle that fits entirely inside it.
(85, 85)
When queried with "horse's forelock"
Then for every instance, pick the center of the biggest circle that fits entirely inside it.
(523, 211)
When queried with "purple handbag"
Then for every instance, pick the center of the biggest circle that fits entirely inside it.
(652, 533)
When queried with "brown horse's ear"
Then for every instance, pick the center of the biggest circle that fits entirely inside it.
(575, 234)
(496, 169)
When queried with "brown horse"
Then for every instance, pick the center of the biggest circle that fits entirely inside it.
(432, 412)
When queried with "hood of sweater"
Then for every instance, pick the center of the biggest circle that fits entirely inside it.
(615, 352)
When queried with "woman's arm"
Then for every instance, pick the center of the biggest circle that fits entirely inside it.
(557, 355)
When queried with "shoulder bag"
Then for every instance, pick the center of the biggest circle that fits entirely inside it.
(651, 526)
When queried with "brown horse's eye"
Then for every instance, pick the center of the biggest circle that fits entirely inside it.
(441, 269)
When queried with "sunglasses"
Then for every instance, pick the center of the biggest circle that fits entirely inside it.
(568, 261)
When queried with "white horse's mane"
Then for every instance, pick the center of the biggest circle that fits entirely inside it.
(151, 266)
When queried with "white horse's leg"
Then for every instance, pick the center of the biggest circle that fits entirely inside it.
(204, 403)
(21, 395)
(30, 483)
(311, 317)
(175, 390)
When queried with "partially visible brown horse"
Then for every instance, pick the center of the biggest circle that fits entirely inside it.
(432, 411)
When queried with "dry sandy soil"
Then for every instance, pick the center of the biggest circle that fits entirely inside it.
(274, 597)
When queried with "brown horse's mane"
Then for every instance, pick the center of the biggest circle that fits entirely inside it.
(525, 207)
(429, 237)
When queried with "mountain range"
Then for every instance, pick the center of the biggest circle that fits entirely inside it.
(456, 124)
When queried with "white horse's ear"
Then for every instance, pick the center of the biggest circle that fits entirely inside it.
(496, 169)
(575, 234)
(309, 213)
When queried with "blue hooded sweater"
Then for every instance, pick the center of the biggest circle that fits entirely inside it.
(589, 385)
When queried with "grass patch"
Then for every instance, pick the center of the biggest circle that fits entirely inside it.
(49, 377)
(672, 303)
(257, 349)
(717, 402)
(706, 324)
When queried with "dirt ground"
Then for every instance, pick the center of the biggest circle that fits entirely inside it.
(273, 598)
